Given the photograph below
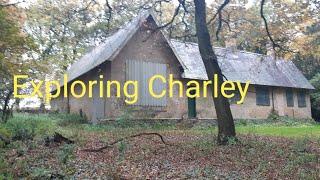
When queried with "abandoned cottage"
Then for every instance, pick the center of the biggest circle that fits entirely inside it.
(135, 52)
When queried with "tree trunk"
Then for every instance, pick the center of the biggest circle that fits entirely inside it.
(226, 128)
(6, 109)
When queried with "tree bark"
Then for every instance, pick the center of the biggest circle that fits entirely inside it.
(6, 109)
(226, 128)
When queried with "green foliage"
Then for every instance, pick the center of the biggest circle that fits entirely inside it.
(279, 130)
(5, 133)
(40, 173)
(275, 119)
(288, 121)
(273, 116)
(257, 156)
(9, 33)
(24, 127)
(22, 131)
(124, 119)
(13, 44)
(315, 97)
(4, 169)
(242, 122)
(69, 119)
(301, 145)
(232, 141)
(122, 149)
(66, 153)
(65, 29)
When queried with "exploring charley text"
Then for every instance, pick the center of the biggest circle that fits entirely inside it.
(130, 89)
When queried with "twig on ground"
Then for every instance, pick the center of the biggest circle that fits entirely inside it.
(124, 138)
(57, 138)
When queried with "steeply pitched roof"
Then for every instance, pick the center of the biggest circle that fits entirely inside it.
(107, 50)
(110, 48)
(235, 65)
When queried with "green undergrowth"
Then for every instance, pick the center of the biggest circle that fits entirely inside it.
(28, 131)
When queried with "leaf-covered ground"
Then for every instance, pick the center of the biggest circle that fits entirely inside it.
(190, 153)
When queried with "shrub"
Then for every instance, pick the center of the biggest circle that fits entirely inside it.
(289, 121)
(5, 133)
(124, 119)
(70, 119)
(273, 116)
(232, 141)
(66, 153)
(243, 122)
(315, 97)
(21, 130)
(122, 150)
(25, 127)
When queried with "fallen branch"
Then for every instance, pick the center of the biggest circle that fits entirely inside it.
(124, 138)
(57, 138)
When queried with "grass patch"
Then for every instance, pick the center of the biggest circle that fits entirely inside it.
(298, 131)
(69, 119)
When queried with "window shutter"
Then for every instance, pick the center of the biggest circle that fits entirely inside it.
(142, 71)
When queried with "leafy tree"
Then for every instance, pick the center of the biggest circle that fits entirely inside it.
(13, 45)
(65, 29)
(308, 60)
(288, 23)
(315, 97)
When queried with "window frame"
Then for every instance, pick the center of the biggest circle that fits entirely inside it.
(266, 93)
(302, 104)
(289, 97)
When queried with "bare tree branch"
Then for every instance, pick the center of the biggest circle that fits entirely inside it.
(274, 44)
(219, 11)
(125, 138)
(109, 13)
(220, 20)
(224, 4)
(176, 12)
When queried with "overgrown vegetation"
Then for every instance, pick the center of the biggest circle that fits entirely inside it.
(315, 97)
(293, 153)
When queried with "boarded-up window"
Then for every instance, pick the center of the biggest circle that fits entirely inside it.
(289, 97)
(262, 96)
(302, 99)
(142, 71)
